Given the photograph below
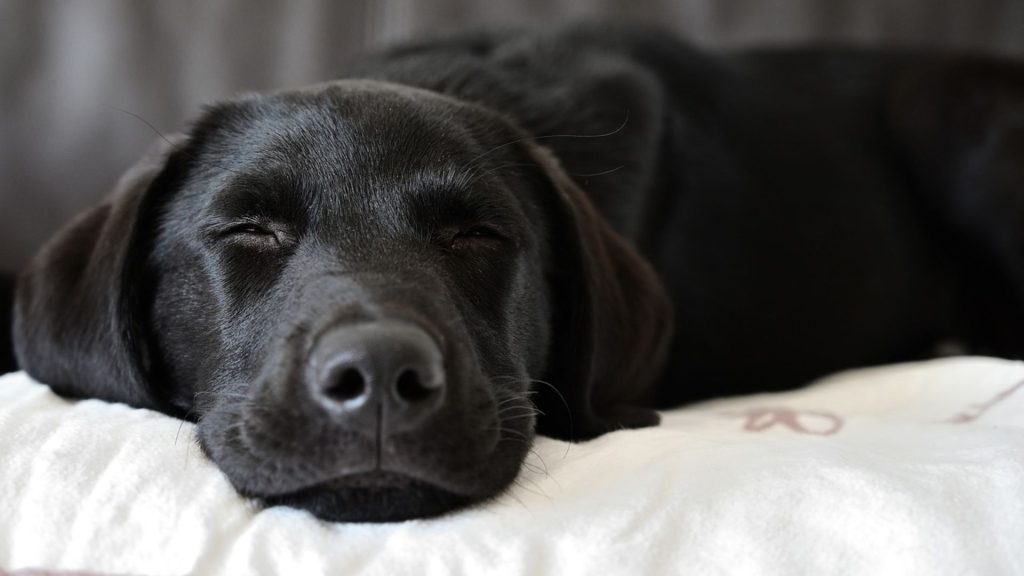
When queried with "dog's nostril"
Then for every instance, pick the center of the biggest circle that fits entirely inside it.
(376, 378)
(350, 385)
(410, 387)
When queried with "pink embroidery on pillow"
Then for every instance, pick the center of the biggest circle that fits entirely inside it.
(813, 422)
(975, 411)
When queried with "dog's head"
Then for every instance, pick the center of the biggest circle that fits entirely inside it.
(368, 296)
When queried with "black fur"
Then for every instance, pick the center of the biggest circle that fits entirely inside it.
(517, 196)
(7, 361)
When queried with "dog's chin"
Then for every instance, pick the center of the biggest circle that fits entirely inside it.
(372, 497)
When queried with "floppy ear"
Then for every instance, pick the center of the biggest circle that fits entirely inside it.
(613, 321)
(78, 322)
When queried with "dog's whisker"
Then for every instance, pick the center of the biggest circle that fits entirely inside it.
(618, 129)
(176, 147)
(507, 401)
(543, 465)
(481, 173)
(568, 410)
(180, 425)
(515, 433)
(515, 417)
(537, 491)
(516, 410)
(533, 468)
(517, 499)
(522, 405)
(601, 173)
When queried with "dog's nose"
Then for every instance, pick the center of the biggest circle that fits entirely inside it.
(389, 374)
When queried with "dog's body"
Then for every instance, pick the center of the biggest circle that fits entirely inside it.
(806, 211)
(805, 208)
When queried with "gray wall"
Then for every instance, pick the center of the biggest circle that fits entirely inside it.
(85, 84)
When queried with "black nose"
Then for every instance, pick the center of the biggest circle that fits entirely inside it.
(387, 374)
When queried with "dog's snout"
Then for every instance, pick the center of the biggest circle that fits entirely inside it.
(386, 374)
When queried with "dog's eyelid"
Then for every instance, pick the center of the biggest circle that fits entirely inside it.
(480, 231)
(247, 230)
(480, 235)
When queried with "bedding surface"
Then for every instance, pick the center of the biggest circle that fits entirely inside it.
(908, 469)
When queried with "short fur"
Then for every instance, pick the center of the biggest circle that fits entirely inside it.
(531, 200)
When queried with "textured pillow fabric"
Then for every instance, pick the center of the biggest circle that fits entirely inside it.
(909, 469)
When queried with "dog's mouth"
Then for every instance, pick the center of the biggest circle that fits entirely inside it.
(343, 476)
(379, 496)
(404, 490)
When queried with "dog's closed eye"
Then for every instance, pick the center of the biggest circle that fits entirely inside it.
(252, 235)
(475, 236)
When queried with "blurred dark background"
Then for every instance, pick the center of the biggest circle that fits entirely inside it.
(75, 73)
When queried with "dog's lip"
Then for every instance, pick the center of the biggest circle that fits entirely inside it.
(371, 479)
(373, 475)
(378, 478)
(373, 497)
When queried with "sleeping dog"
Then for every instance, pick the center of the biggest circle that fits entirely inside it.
(371, 293)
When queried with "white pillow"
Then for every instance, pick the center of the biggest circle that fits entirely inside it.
(910, 469)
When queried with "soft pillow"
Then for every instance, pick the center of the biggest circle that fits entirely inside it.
(909, 469)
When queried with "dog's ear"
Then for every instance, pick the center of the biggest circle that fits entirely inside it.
(78, 323)
(613, 320)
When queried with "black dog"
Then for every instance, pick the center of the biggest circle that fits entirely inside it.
(370, 293)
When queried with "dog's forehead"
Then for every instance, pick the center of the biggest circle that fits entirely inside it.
(365, 91)
(334, 147)
(347, 130)
(361, 120)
